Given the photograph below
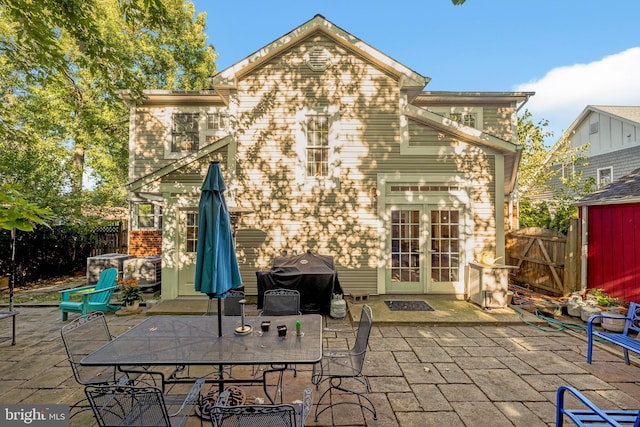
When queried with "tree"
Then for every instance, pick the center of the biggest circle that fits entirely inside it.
(63, 65)
(542, 166)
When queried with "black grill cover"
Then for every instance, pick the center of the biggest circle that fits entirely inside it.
(310, 274)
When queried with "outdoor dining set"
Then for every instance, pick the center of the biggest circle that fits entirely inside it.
(126, 378)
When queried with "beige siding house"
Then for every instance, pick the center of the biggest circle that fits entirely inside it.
(328, 145)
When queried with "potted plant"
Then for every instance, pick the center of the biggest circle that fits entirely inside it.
(130, 293)
(615, 321)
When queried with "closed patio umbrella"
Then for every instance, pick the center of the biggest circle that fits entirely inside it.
(216, 264)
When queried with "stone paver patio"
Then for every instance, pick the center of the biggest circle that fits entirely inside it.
(471, 375)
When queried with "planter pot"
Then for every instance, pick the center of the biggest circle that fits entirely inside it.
(574, 308)
(614, 325)
(589, 310)
(132, 306)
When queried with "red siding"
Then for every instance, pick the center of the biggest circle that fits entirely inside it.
(614, 252)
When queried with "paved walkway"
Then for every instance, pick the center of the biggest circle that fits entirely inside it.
(471, 375)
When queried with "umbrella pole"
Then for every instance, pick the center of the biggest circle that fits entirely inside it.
(220, 370)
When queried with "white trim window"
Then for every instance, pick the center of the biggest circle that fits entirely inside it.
(467, 116)
(317, 149)
(185, 132)
(316, 144)
(148, 216)
(605, 176)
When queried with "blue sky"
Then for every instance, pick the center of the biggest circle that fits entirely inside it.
(572, 53)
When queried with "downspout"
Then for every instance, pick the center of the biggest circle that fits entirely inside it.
(584, 235)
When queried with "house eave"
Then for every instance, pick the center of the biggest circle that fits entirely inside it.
(138, 184)
(452, 127)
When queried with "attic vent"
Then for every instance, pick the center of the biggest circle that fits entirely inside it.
(593, 127)
(318, 59)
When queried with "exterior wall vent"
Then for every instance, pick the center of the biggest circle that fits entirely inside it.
(318, 59)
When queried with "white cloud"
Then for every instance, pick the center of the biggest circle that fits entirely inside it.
(564, 92)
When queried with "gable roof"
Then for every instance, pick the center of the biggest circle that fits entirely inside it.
(624, 113)
(622, 191)
(409, 80)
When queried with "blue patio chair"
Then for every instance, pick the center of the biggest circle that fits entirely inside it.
(590, 414)
(94, 298)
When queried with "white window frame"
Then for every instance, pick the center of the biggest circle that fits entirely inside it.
(331, 180)
(155, 215)
(599, 176)
(462, 111)
(214, 123)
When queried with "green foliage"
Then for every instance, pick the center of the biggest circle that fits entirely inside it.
(17, 213)
(534, 214)
(62, 67)
(541, 167)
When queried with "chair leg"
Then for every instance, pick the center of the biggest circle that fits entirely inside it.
(336, 383)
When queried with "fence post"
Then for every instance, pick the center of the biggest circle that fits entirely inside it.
(572, 258)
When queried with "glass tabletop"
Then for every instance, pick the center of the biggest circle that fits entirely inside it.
(194, 340)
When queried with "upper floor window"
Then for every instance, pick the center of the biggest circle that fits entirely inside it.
(468, 116)
(605, 176)
(149, 216)
(185, 134)
(317, 158)
(467, 119)
(218, 121)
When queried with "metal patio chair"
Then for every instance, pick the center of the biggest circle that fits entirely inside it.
(281, 415)
(590, 414)
(125, 405)
(337, 366)
(281, 302)
(81, 337)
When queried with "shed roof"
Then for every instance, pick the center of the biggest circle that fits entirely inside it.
(622, 191)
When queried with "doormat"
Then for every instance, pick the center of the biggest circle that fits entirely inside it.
(408, 306)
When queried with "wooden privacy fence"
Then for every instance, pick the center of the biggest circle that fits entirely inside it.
(109, 239)
(548, 261)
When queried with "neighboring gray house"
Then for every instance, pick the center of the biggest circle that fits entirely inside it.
(612, 134)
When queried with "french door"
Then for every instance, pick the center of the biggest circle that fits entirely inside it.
(424, 249)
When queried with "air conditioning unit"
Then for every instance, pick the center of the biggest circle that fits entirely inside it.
(148, 270)
(96, 264)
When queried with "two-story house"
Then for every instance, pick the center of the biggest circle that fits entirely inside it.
(607, 138)
(328, 145)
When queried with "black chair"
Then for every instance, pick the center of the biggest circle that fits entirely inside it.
(232, 303)
(285, 414)
(337, 366)
(125, 405)
(281, 302)
(590, 414)
(81, 337)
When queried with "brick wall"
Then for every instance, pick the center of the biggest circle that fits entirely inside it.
(145, 243)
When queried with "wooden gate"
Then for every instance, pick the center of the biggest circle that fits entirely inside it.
(548, 261)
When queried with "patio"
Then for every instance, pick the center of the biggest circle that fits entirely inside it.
(474, 374)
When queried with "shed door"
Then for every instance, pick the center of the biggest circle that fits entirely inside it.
(186, 251)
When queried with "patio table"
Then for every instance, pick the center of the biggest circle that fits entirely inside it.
(194, 341)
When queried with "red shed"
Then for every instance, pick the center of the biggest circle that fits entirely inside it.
(611, 219)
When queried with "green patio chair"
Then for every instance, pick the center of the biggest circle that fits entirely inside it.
(94, 298)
